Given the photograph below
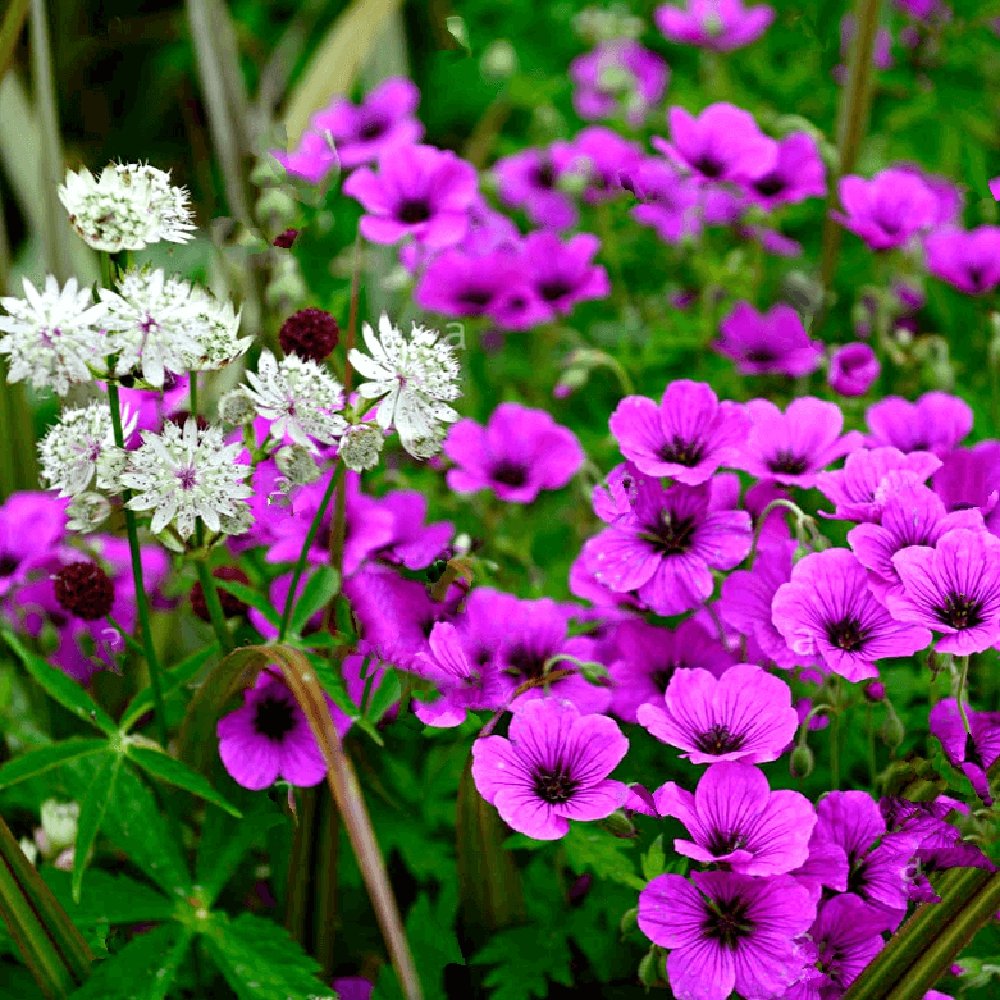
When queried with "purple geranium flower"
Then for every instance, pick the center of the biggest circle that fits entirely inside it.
(746, 714)
(936, 422)
(970, 477)
(722, 144)
(666, 545)
(519, 453)
(888, 210)
(563, 274)
(854, 369)
(32, 524)
(727, 931)
(554, 767)
(598, 158)
(771, 343)
(952, 588)
(458, 283)
(798, 174)
(413, 543)
(972, 754)
(529, 180)
(646, 657)
(418, 191)
(669, 200)
(828, 608)
(735, 819)
(618, 76)
(912, 515)
(869, 477)
(722, 25)
(794, 447)
(687, 437)
(269, 738)
(969, 261)
(383, 121)
(313, 159)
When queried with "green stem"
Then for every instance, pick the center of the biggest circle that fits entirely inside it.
(141, 598)
(129, 641)
(214, 606)
(963, 683)
(300, 565)
(193, 394)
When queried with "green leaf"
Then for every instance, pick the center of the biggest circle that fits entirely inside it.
(95, 804)
(589, 848)
(60, 687)
(384, 696)
(161, 765)
(251, 598)
(136, 826)
(143, 970)
(654, 861)
(108, 899)
(260, 961)
(319, 590)
(179, 675)
(525, 960)
(47, 758)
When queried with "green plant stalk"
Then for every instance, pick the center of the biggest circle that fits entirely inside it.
(10, 32)
(300, 565)
(963, 684)
(51, 947)
(214, 606)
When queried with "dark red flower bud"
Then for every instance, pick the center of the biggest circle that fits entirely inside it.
(232, 606)
(85, 590)
(286, 239)
(309, 333)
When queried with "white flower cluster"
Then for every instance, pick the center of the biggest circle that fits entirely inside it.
(128, 207)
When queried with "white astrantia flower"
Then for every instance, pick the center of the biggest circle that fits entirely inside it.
(300, 398)
(128, 207)
(87, 512)
(160, 324)
(361, 446)
(80, 449)
(414, 377)
(185, 473)
(53, 336)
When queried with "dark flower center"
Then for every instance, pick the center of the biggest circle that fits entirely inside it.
(727, 921)
(7, 565)
(413, 211)
(672, 536)
(788, 462)
(709, 166)
(848, 634)
(760, 356)
(770, 185)
(526, 663)
(976, 277)
(475, 299)
(554, 289)
(554, 785)
(680, 452)
(661, 678)
(718, 740)
(544, 176)
(725, 841)
(274, 718)
(510, 474)
(960, 612)
(373, 129)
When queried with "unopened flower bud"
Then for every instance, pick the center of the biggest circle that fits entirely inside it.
(29, 849)
(874, 691)
(59, 822)
(499, 61)
(361, 446)
(85, 590)
(297, 465)
(651, 967)
(801, 763)
(619, 825)
(629, 921)
(892, 731)
(285, 240)
(87, 512)
(236, 408)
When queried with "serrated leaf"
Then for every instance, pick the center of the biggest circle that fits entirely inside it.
(251, 598)
(525, 960)
(95, 804)
(143, 970)
(47, 758)
(260, 961)
(319, 590)
(591, 849)
(176, 677)
(108, 899)
(136, 826)
(161, 765)
(60, 687)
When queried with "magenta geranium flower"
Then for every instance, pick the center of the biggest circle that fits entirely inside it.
(552, 768)
(32, 524)
(794, 447)
(828, 609)
(413, 543)
(519, 453)
(269, 738)
(646, 657)
(670, 201)
(967, 260)
(869, 477)
(687, 437)
(313, 159)
(953, 588)
(746, 714)
(723, 143)
(797, 174)
(735, 819)
(665, 547)
(771, 343)
(854, 369)
(619, 76)
(727, 932)
(417, 191)
(383, 121)
(562, 274)
(458, 283)
(722, 25)
(597, 158)
(973, 754)
(888, 210)
(529, 180)
(970, 477)
(935, 422)
(911, 515)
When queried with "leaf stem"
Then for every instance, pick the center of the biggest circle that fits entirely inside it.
(963, 683)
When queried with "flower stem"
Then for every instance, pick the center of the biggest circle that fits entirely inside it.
(963, 683)
(214, 606)
(300, 565)
(141, 598)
